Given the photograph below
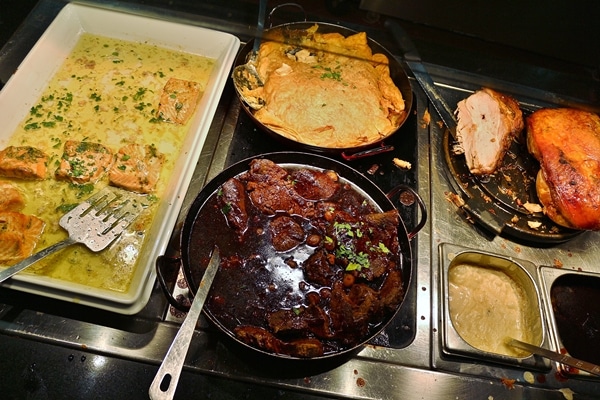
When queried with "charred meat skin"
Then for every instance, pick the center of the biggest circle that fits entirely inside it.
(566, 142)
(488, 121)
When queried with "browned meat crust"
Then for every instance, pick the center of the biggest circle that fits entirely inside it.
(566, 142)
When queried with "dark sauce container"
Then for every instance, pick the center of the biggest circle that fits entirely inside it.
(573, 304)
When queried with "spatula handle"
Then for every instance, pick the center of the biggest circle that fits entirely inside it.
(10, 271)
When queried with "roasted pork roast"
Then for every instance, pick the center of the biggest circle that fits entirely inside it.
(566, 142)
(488, 121)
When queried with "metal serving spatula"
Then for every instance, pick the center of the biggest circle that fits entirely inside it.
(96, 222)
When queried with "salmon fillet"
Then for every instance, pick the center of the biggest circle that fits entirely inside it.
(488, 121)
(11, 198)
(84, 162)
(566, 142)
(19, 234)
(178, 100)
(137, 168)
(24, 162)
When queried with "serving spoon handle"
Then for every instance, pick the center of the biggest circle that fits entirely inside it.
(165, 382)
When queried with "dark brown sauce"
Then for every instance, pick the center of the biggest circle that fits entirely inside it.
(254, 279)
(576, 306)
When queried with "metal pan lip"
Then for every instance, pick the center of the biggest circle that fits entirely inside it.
(399, 76)
(453, 345)
(299, 159)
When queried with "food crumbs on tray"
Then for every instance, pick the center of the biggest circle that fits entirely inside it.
(557, 263)
(534, 224)
(509, 383)
(528, 376)
(567, 393)
(104, 97)
(455, 199)
(373, 169)
(402, 164)
(426, 119)
(533, 207)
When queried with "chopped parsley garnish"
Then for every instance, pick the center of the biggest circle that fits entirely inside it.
(335, 74)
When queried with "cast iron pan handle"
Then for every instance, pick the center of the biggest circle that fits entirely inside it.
(397, 191)
(169, 266)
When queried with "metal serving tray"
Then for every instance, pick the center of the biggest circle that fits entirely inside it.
(548, 277)
(523, 274)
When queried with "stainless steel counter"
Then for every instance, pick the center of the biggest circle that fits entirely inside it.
(39, 335)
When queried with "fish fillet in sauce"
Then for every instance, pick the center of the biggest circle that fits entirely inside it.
(23, 162)
(84, 162)
(137, 168)
(11, 198)
(19, 234)
(178, 100)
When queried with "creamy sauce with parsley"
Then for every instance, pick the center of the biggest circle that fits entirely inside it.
(107, 91)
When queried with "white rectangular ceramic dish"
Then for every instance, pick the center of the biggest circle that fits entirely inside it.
(46, 57)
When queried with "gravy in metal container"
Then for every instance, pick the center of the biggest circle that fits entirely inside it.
(487, 306)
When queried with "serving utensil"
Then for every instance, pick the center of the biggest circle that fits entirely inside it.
(245, 76)
(96, 223)
(561, 358)
(165, 382)
(413, 61)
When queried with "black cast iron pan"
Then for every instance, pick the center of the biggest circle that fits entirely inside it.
(197, 236)
(397, 74)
